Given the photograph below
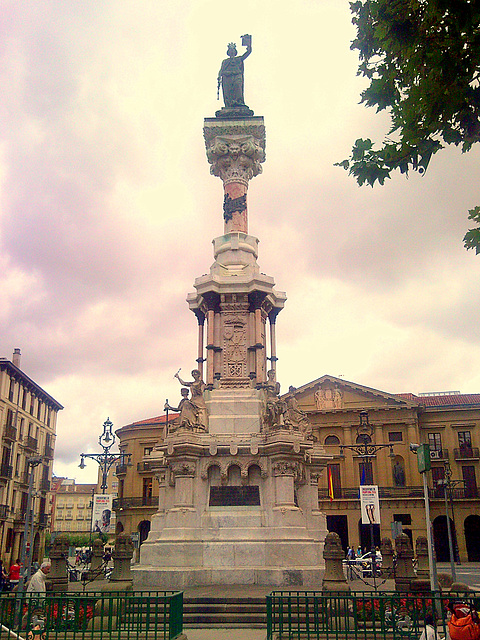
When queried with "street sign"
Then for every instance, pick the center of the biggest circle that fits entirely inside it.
(424, 460)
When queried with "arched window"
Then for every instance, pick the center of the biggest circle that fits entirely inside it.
(363, 438)
(332, 440)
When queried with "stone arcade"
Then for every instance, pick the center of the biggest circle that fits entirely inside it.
(238, 470)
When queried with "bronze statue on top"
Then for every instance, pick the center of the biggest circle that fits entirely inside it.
(231, 79)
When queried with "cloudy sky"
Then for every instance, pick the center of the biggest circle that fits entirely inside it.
(107, 208)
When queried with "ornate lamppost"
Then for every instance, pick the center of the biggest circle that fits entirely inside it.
(367, 450)
(106, 459)
(449, 484)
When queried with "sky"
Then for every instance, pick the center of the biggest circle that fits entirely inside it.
(108, 209)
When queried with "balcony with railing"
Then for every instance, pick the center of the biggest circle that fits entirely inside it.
(44, 485)
(48, 452)
(4, 511)
(146, 466)
(121, 469)
(466, 453)
(352, 493)
(439, 454)
(43, 520)
(23, 477)
(30, 443)
(458, 493)
(5, 471)
(10, 433)
(133, 503)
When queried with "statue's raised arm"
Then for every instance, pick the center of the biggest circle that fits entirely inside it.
(231, 75)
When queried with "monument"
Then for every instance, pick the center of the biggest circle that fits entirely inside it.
(238, 469)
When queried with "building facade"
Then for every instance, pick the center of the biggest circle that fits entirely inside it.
(137, 486)
(28, 418)
(448, 422)
(72, 510)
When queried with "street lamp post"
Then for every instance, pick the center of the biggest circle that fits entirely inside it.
(367, 450)
(32, 462)
(448, 484)
(105, 459)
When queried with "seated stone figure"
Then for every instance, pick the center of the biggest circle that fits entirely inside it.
(295, 418)
(189, 414)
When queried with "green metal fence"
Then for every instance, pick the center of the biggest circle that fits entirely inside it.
(150, 615)
(360, 615)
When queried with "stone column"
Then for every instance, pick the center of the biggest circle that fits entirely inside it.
(273, 339)
(284, 473)
(58, 576)
(122, 556)
(201, 325)
(386, 549)
(423, 570)
(235, 150)
(334, 578)
(95, 572)
(184, 473)
(404, 573)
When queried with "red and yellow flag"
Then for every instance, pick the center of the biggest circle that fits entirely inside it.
(330, 484)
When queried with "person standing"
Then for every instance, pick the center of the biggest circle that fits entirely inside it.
(14, 574)
(38, 581)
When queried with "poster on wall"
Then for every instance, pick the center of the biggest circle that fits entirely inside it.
(369, 504)
(102, 514)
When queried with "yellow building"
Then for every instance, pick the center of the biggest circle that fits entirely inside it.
(137, 487)
(72, 511)
(448, 422)
(28, 417)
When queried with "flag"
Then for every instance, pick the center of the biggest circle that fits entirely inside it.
(330, 484)
(363, 479)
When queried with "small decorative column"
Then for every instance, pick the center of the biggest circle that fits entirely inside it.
(284, 472)
(404, 573)
(122, 556)
(95, 572)
(334, 579)
(235, 149)
(184, 473)
(423, 570)
(386, 549)
(58, 577)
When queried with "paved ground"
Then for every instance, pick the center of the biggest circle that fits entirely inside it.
(225, 634)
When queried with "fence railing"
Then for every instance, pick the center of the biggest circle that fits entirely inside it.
(151, 615)
(352, 493)
(298, 615)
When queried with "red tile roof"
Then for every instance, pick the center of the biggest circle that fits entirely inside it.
(153, 421)
(458, 400)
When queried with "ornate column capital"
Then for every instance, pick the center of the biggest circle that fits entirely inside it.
(183, 469)
(235, 158)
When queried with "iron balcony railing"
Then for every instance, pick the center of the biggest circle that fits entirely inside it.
(30, 443)
(42, 519)
(10, 433)
(129, 503)
(44, 485)
(298, 615)
(466, 453)
(352, 493)
(121, 469)
(4, 511)
(150, 615)
(142, 467)
(458, 493)
(48, 452)
(6, 471)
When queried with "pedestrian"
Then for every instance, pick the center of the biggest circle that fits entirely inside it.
(429, 632)
(464, 623)
(38, 581)
(14, 574)
(3, 577)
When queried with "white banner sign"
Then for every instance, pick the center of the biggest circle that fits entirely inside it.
(369, 504)
(102, 514)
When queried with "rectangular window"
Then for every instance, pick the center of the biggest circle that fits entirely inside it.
(366, 473)
(435, 441)
(438, 476)
(337, 485)
(11, 389)
(470, 481)
(20, 432)
(24, 398)
(465, 440)
(404, 518)
(39, 410)
(395, 436)
(32, 405)
(147, 487)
